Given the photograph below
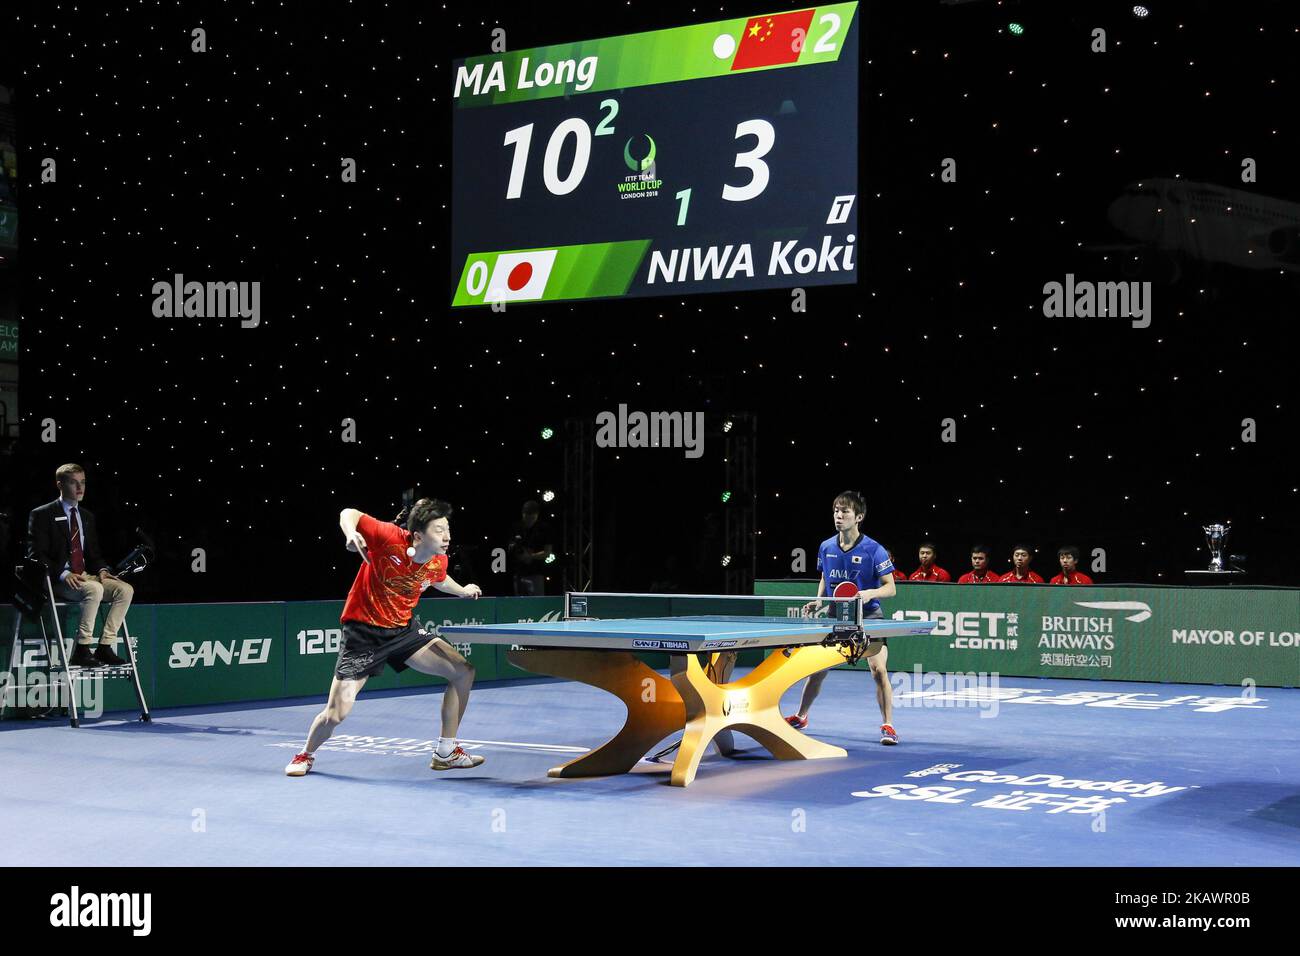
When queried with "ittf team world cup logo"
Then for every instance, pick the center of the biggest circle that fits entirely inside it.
(640, 165)
(644, 180)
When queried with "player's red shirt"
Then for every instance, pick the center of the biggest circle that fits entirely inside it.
(1075, 577)
(989, 577)
(1010, 578)
(386, 590)
(932, 573)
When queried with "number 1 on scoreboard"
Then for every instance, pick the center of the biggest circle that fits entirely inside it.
(685, 197)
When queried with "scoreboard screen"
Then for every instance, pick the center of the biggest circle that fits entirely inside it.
(715, 157)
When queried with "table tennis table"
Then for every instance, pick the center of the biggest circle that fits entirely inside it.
(602, 653)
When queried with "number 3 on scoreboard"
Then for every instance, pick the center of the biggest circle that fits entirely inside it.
(752, 160)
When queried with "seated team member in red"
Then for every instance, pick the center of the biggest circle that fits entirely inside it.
(929, 571)
(849, 555)
(979, 572)
(1070, 573)
(63, 537)
(1020, 572)
(899, 576)
(397, 565)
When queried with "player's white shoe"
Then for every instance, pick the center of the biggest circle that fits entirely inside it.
(299, 765)
(456, 760)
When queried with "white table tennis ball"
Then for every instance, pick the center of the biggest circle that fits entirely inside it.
(410, 552)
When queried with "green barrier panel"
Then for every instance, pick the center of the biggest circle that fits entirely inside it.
(1184, 635)
(512, 610)
(437, 611)
(212, 653)
(312, 635)
(119, 692)
(99, 694)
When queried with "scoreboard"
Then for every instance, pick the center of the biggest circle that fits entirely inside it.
(716, 157)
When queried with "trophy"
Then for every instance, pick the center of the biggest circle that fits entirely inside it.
(1216, 537)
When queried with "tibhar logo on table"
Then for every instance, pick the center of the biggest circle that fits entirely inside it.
(642, 643)
(624, 429)
(77, 909)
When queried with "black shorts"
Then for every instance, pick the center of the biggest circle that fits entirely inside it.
(877, 614)
(365, 649)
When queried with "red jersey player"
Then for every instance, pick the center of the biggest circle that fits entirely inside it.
(397, 565)
(979, 572)
(1070, 573)
(929, 571)
(1020, 573)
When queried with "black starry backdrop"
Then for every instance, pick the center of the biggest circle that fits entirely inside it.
(225, 165)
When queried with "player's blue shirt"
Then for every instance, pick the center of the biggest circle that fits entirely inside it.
(863, 564)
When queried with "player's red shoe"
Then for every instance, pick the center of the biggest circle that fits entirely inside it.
(887, 734)
(797, 722)
(299, 765)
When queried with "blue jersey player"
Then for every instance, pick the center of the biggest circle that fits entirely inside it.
(849, 555)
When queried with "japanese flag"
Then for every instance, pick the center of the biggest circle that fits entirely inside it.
(520, 275)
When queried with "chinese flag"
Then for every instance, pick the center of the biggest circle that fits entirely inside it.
(767, 41)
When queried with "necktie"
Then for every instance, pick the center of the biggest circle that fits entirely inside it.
(78, 556)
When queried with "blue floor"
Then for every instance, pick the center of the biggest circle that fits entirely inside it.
(1201, 783)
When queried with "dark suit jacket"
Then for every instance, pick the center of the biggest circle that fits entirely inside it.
(48, 539)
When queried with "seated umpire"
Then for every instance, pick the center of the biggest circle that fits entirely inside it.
(62, 536)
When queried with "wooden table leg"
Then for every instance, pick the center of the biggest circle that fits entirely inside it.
(654, 707)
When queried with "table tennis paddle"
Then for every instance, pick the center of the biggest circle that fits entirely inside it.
(845, 589)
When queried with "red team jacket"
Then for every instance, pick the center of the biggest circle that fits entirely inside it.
(935, 573)
(1010, 578)
(1076, 577)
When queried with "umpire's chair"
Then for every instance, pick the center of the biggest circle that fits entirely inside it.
(33, 592)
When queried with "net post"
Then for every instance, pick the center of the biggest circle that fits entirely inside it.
(566, 605)
(857, 612)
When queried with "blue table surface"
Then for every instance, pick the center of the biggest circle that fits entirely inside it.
(676, 627)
